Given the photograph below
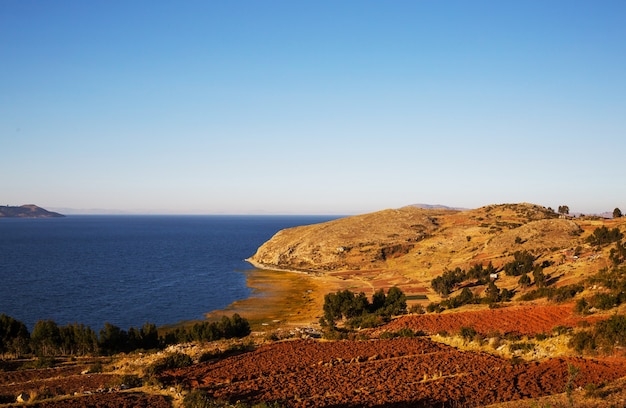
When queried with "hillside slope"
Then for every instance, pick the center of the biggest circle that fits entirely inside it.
(411, 246)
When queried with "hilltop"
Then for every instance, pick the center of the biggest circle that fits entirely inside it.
(27, 211)
(410, 246)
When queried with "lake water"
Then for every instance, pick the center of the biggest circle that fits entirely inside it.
(129, 270)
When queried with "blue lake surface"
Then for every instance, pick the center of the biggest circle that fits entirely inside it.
(129, 270)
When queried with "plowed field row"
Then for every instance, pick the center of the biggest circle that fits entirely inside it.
(63, 385)
(21, 376)
(522, 320)
(402, 372)
(115, 400)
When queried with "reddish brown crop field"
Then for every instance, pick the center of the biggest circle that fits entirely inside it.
(522, 320)
(115, 400)
(88, 390)
(52, 382)
(396, 372)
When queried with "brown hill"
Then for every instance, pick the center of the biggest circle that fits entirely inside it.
(410, 246)
(27, 211)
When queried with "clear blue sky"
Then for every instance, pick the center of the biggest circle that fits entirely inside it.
(312, 106)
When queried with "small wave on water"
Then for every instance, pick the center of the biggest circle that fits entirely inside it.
(129, 270)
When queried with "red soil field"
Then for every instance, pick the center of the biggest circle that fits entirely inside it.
(398, 372)
(55, 386)
(522, 320)
(88, 390)
(115, 400)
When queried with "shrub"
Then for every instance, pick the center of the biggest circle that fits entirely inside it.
(611, 332)
(522, 346)
(333, 333)
(604, 301)
(558, 330)
(366, 321)
(434, 307)
(127, 380)
(199, 399)
(582, 306)
(174, 360)
(467, 333)
(522, 263)
(524, 280)
(596, 391)
(417, 309)
(602, 236)
(565, 293)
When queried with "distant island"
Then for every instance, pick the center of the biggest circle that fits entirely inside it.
(27, 211)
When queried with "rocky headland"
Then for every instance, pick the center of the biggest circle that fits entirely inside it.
(27, 211)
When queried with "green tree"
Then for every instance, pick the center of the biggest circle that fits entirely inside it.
(523, 262)
(78, 339)
(540, 277)
(149, 336)
(46, 338)
(492, 293)
(617, 213)
(611, 333)
(395, 302)
(14, 336)
(618, 254)
(112, 339)
(524, 280)
(378, 300)
(239, 326)
(563, 209)
(582, 306)
(602, 236)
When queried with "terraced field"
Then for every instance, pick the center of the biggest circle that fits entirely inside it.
(396, 372)
(523, 320)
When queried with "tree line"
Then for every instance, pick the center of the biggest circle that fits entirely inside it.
(357, 309)
(522, 264)
(49, 339)
(449, 280)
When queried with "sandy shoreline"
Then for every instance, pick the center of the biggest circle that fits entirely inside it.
(281, 297)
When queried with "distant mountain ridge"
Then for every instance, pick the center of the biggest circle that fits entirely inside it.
(27, 211)
(436, 207)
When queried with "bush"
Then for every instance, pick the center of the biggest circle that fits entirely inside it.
(522, 346)
(468, 333)
(604, 301)
(366, 321)
(199, 399)
(582, 306)
(523, 262)
(417, 309)
(434, 307)
(127, 380)
(558, 330)
(174, 360)
(404, 332)
(333, 333)
(611, 333)
(583, 342)
(564, 293)
(602, 236)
